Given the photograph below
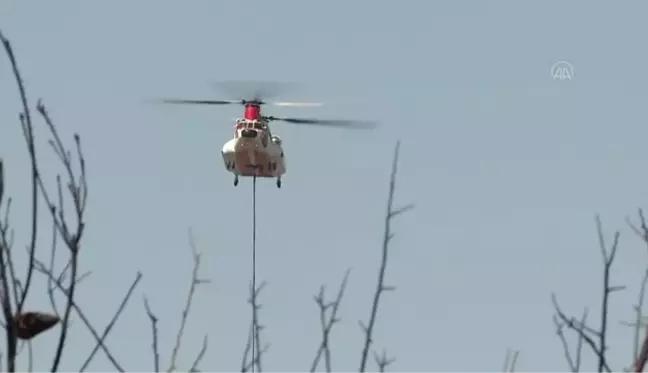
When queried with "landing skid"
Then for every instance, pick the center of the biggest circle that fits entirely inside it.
(236, 181)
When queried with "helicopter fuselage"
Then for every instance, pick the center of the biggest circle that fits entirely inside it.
(254, 151)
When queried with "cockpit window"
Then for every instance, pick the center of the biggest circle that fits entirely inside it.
(250, 124)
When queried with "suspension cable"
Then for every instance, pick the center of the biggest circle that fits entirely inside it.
(253, 295)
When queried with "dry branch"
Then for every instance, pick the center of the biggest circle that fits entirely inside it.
(586, 334)
(327, 323)
(28, 132)
(574, 363)
(253, 349)
(640, 354)
(380, 285)
(195, 282)
(5, 259)
(154, 332)
(639, 322)
(40, 267)
(510, 361)
(113, 321)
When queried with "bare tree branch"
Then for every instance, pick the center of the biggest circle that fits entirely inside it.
(639, 322)
(72, 239)
(154, 345)
(253, 341)
(113, 321)
(328, 323)
(40, 267)
(643, 355)
(201, 354)
(574, 363)
(382, 361)
(581, 328)
(510, 361)
(640, 354)
(608, 260)
(195, 281)
(5, 297)
(28, 131)
(380, 286)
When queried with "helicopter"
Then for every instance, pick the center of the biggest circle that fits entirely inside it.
(254, 151)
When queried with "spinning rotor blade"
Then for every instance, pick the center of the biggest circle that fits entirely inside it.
(327, 122)
(257, 90)
(200, 102)
(297, 104)
(239, 102)
(244, 92)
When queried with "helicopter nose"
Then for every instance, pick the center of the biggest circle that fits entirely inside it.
(249, 134)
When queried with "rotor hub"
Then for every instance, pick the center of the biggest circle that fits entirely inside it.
(252, 111)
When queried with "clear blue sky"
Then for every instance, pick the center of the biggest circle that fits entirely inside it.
(507, 167)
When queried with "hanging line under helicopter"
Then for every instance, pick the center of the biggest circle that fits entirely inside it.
(253, 291)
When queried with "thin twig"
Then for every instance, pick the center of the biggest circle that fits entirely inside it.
(72, 240)
(580, 330)
(516, 354)
(28, 131)
(574, 363)
(112, 322)
(248, 347)
(327, 324)
(5, 297)
(380, 286)
(640, 352)
(40, 267)
(580, 327)
(643, 355)
(50, 281)
(195, 281)
(382, 361)
(608, 260)
(579, 344)
(201, 354)
(510, 361)
(563, 339)
(154, 331)
(255, 327)
(639, 323)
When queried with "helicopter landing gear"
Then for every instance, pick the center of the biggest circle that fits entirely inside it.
(278, 182)
(236, 180)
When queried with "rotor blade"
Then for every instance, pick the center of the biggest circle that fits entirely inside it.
(328, 122)
(297, 104)
(253, 90)
(199, 102)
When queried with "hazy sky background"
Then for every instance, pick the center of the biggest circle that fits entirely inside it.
(507, 167)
